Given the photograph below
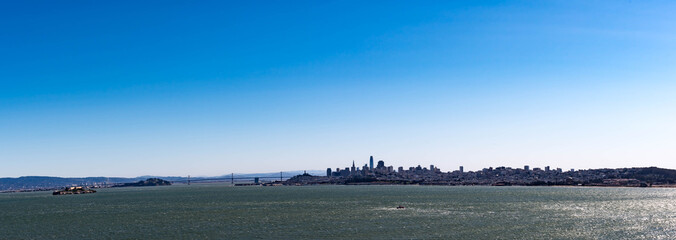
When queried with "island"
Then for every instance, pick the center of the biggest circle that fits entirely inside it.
(73, 190)
(146, 183)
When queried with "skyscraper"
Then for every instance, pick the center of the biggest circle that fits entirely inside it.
(381, 164)
(353, 169)
(371, 163)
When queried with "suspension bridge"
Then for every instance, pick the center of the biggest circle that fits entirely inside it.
(246, 178)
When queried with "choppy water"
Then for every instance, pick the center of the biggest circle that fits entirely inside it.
(354, 212)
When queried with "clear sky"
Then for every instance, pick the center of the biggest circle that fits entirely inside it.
(128, 88)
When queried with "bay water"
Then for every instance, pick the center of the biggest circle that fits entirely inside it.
(220, 211)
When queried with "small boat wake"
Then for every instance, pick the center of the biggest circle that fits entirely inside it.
(400, 207)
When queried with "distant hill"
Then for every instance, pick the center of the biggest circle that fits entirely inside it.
(655, 174)
(42, 182)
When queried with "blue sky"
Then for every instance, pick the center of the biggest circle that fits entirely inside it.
(124, 88)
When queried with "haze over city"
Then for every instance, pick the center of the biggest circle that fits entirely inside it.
(100, 89)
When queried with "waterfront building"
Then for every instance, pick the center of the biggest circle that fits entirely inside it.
(328, 172)
(345, 172)
(371, 162)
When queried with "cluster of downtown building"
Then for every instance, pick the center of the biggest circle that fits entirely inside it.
(381, 174)
(379, 170)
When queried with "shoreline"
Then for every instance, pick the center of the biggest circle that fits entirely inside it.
(391, 184)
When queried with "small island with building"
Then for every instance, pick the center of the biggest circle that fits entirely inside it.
(73, 190)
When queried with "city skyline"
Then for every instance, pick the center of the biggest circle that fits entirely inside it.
(489, 176)
(175, 88)
(369, 168)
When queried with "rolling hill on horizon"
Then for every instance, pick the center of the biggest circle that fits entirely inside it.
(49, 182)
